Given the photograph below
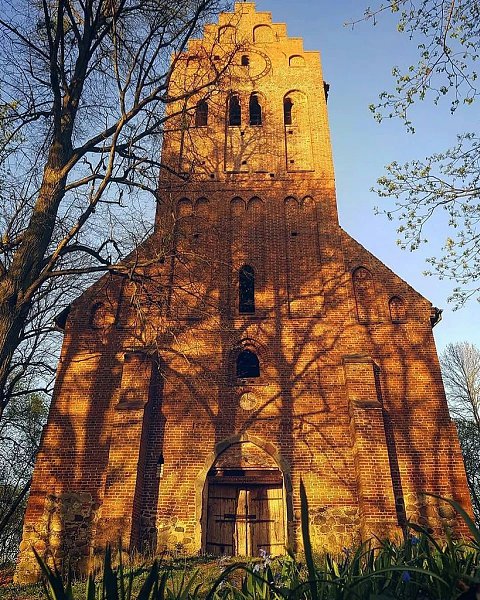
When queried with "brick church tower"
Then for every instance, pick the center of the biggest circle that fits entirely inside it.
(249, 344)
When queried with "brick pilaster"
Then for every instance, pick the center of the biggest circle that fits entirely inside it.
(374, 480)
(124, 478)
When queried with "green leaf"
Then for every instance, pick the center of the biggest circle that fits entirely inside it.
(161, 588)
(223, 577)
(307, 546)
(91, 588)
(149, 583)
(110, 584)
(54, 589)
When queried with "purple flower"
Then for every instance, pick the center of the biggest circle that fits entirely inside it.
(414, 540)
(406, 577)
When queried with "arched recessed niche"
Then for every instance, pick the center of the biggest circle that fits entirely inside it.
(397, 309)
(255, 204)
(296, 61)
(237, 206)
(202, 206)
(365, 297)
(226, 34)
(184, 207)
(262, 33)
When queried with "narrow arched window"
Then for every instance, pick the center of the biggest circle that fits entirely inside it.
(245, 61)
(287, 111)
(255, 110)
(248, 365)
(201, 114)
(234, 111)
(246, 290)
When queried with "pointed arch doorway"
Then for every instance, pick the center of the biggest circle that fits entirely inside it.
(245, 503)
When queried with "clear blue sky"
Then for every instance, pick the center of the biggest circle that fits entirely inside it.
(357, 63)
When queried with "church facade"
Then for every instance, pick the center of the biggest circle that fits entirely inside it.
(250, 344)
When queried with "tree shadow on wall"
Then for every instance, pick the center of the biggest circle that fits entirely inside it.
(183, 313)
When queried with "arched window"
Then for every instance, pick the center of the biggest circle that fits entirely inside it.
(247, 365)
(234, 111)
(287, 111)
(201, 114)
(246, 290)
(255, 110)
(245, 61)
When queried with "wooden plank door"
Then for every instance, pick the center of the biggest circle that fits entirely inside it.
(267, 527)
(221, 518)
(242, 526)
(242, 519)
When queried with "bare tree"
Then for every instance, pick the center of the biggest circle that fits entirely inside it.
(20, 432)
(86, 84)
(460, 364)
(85, 97)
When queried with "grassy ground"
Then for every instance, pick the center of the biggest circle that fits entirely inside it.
(209, 569)
(415, 570)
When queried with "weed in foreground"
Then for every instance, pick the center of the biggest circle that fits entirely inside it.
(418, 569)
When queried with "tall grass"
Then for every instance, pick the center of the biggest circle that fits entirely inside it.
(418, 569)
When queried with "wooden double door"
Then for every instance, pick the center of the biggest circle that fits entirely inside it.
(243, 518)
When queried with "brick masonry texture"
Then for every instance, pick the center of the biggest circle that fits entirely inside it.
(149, 415)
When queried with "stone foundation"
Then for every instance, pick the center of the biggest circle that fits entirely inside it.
(332, 529)
(434, 515)
(62, 536)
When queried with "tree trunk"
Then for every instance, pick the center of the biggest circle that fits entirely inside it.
(22, 279)
(15, 504)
